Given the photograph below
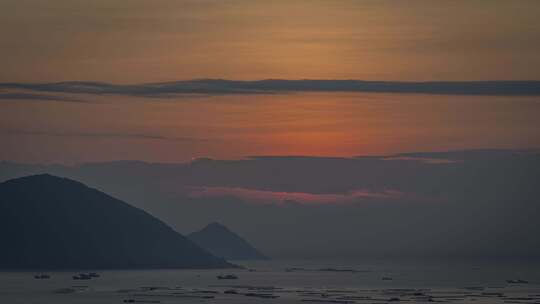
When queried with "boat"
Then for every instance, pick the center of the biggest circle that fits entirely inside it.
(517, 282)
(227, 277)
(82, 276)
(261, 295)
(42, 276)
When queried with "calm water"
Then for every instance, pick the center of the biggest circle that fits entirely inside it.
(454, 282)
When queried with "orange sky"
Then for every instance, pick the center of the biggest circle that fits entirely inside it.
(164, 40)
(320, 124)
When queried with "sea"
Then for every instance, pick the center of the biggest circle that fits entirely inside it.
(289, 281)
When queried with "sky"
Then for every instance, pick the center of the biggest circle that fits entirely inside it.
(139, 42)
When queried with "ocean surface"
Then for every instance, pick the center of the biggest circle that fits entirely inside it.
(290, 282)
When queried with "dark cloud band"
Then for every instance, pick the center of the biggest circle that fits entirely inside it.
(269, 86)
(33, 96)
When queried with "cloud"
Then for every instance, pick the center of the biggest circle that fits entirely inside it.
(272, 86)
(101, 135)
(423, 159)
(304, 198)
(34, 96)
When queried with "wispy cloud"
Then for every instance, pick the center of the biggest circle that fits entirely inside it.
(271, 86)
(281, 197)
(423, 160)
(101, 135)
(34, 96)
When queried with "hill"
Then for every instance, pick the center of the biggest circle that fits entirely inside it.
(47, 222)
(222, 242)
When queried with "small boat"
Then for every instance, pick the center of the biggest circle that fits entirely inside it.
(517, 282)
(42, 276)
(387, 279)
(227, 277)
(94, 275)
(261, 295)
(82, 276)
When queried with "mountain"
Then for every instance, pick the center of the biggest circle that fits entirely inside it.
(48, 222)
(222, 242)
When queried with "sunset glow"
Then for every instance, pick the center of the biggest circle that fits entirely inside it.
(282, 151)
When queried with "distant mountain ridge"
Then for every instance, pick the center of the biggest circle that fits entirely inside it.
(48, 222)
(222, 242)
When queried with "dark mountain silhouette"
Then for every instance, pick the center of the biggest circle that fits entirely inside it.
(48, 222)
(222, 242)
